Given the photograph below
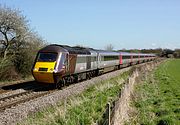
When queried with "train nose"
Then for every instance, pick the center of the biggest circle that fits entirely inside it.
(43, 72)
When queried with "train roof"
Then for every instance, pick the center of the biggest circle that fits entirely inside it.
(125, 53)
(106, 52)
(76, 50)
(65, 48)
(87, 51)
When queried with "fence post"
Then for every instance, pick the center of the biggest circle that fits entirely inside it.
(109, 114)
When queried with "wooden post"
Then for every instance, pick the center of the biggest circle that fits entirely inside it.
(109, 114)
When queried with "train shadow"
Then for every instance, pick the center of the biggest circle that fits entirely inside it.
(30, 86)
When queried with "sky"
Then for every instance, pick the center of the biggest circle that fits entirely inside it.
(126, 24)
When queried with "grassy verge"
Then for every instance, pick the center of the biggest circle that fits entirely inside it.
(9, 82)
(157, 100)
(83, 109)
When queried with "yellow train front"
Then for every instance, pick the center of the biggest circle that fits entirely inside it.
(60, 63)
(49, 64)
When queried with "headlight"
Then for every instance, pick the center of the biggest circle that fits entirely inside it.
(35, 69)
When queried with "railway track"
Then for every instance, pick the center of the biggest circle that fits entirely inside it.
(14, 94)
(27, 95)
(15, 99)
(6, 90)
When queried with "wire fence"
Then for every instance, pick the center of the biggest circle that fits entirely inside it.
(108, 115)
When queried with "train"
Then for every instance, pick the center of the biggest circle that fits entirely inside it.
(62, 64)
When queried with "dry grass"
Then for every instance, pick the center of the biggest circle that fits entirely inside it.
(21, 80)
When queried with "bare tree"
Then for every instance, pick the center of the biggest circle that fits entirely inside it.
(109, 47)
(13, 29)
(17, 42)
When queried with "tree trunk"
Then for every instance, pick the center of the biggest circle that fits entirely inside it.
(5, 52)
(6, 45)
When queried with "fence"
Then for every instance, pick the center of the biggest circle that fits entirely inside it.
(116, 112)
(108, 115)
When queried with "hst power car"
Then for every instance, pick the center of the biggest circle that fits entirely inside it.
(62, 64)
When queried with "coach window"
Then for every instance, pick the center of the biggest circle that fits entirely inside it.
(63, 59)
(109, 58)
(81, 59)
(135, 56)
(126, 57)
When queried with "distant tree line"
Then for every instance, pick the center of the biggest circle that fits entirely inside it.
(176, 53)
(158, 51)
(18, 44)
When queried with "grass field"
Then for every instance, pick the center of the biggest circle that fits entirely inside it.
(157, 100)
(84, 109)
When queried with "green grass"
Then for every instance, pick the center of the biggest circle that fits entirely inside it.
(158, 98)
(84, 109)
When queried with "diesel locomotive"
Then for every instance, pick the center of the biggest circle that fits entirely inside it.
(61, 64)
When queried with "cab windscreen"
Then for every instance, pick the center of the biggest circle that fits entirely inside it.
(47, 57)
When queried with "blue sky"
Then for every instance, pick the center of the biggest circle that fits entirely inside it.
(97, 23)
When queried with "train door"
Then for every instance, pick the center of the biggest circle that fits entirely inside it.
(97, 60)
(131, 59)
(94, 61)
(72, 63)
(88, 62)
(67, 64)
(120, 59)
